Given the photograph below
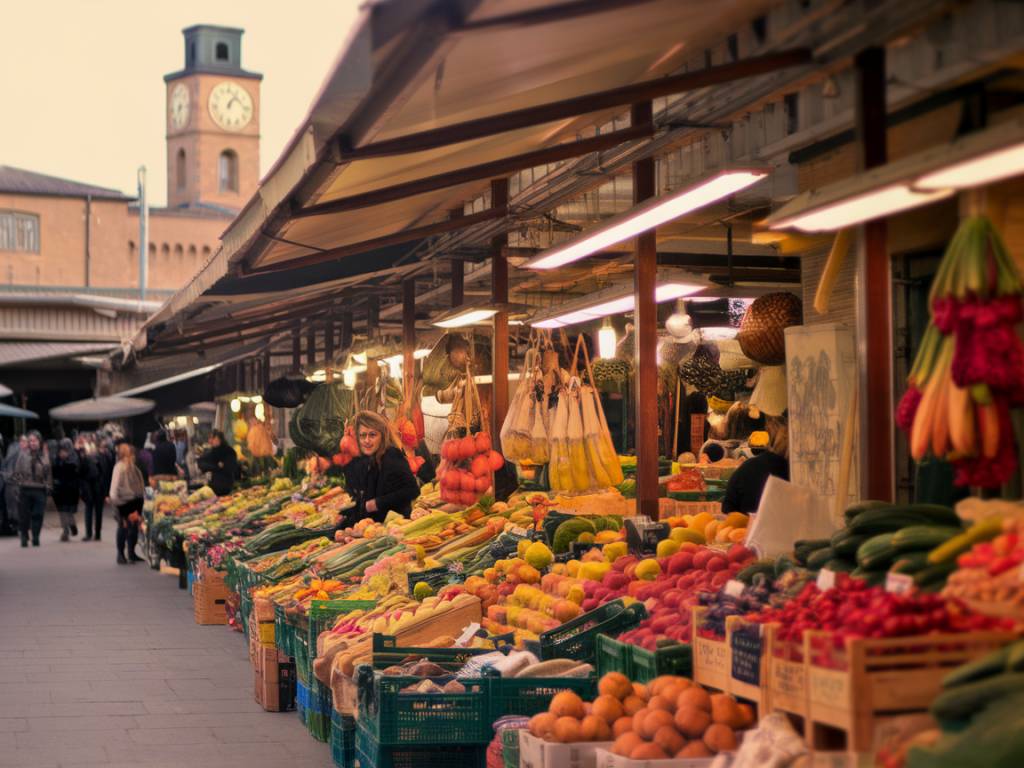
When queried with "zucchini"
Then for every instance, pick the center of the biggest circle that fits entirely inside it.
(767, 567)
(877, 552)
(804, 548)
(876, 521)
(923, 536)
(951, 549)
(864, 506)
(840, 565)
(964, 701)
(783, 564)
(847, 545)
(819, 557)
(933, 574)
(991, 664)
(910, 562)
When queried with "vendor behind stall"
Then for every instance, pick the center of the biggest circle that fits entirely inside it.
(379, 479)
(771, 457)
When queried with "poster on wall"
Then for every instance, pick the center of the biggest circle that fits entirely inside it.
(821, 378)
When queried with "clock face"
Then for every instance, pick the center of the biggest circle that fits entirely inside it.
(230, 106)
(179, 106)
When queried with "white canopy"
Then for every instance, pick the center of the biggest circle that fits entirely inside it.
(17, 413)
(101, 409)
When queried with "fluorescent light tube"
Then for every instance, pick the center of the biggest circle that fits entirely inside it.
(648, 215)
(860, 208)
(606, 341)
(663, 292)
(988, 168)
(469, 317)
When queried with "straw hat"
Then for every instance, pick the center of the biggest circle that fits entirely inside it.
(769, 395)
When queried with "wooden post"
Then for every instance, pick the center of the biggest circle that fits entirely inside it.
(310, 345)
(266, 367)
(645, 318)
(874, 299)
(499, 295)
(297, 348)
(372, 315)
(408, 336)
(346, 331)
(458, 270)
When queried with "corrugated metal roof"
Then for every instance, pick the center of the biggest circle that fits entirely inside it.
(18, 352)
(21, 182)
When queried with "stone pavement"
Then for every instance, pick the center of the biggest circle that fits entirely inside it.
(103, 665)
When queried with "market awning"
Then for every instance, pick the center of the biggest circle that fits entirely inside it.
(21, 352)
(168, 381)
(101, 409)
(17, 413)
(5, 391)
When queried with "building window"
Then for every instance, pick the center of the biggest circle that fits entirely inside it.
(179, 252)
(206, 251)
(228, 171)
(165, 251)
(19, 232)
(180, 171)
(192, 252)
(222, 52)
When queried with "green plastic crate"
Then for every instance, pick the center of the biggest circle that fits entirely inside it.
(343, 740)
(372, 754)
(387, 653)
(641, 665)
(393, 718)
(284, 633)
(577, 639)
(527, 696)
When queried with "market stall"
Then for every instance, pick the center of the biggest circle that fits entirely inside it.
(661, 525)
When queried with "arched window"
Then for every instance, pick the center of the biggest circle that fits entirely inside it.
(179, 252)
(165, 251)
(228, 171)
(192, 252)
(222, 52)
(206, 251)
(152, 251)
(131, 249)
(180, 171)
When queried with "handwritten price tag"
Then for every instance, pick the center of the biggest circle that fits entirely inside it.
(899, 583)
(468, 634)
(826, 579)
(734, 588)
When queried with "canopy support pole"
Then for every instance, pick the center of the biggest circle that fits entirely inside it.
(346, 331)
(645, 276)
(297, 348)
(874, 297)
(458, 269)
(499, 295)
(408, 337)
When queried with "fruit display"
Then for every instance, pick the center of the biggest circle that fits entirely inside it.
(467, 467)
(969, 369)
(669, 717)
(987, 576)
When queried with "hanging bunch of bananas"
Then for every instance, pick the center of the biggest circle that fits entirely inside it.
(969, 369)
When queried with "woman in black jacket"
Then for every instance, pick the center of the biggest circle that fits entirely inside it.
(67, 476)
(379, 479)
(222, 464)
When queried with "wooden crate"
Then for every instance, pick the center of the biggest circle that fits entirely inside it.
(787, 674)
(451, 623)
(710, 657)
(853, 687)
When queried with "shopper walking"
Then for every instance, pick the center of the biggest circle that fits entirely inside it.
(165, 458)
(9, 526)
(34, 479)
(67, 480)
(126, 493)
(222, 464)
(105, 460)
(91, 488)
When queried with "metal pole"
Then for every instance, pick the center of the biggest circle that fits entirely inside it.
(408, 337)
(143, 233)
(499, 294)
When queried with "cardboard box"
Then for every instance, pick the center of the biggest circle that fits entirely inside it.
(277, 695)
(605, 759)
(537, 753)
(209, 601)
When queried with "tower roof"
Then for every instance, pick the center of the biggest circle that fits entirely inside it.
(213, 49)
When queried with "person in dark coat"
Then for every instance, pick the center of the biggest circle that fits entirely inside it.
(165, 456)
(32, 474)
(222, 464)
(743, 492)
(92, 463)
(67, 477)
(379, 479)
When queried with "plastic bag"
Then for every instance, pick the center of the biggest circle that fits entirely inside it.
(319, 423)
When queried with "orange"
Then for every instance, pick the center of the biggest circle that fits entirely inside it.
(615, 684)
(608, 707)
(567, 704)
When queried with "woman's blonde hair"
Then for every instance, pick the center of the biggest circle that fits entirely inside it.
(376, 422)
(125, 451)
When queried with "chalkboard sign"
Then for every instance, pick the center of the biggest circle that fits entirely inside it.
(746, 654)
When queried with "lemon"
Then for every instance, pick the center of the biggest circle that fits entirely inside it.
(538, 555)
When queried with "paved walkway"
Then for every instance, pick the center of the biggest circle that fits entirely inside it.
(103, 664)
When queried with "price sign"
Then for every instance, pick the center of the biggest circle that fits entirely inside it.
(826, 579)
(734, 588)
(746, 654)
(899, 583)
(516, 530)
(468, 634)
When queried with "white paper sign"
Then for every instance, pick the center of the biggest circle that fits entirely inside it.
(899, 583)
(826, 579)
(734, 588)
(468, 634)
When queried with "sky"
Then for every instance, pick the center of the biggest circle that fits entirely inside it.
(82, 94)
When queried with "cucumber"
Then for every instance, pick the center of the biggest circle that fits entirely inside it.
(876, 521)
(840, 565)
(804, 548)
(923, 536)
(991, 664)
(877, 552)
(783, 564)
(863, 506)
(964, 701)
(933, 574)
(819, 557)
(847, 545)
(910, 562)
(767, 567)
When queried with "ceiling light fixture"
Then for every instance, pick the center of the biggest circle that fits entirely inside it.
(612, 301)
(647, 215)
(606, 340)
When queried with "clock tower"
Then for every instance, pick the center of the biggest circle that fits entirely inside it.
(213, 136)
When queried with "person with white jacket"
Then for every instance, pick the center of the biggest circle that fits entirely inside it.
(127, 489)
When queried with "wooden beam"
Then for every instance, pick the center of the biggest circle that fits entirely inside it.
(645, 277)
(874, 310)
(297, 348)
(346, 331)
(500, 167)
(458, 268)
(408, 336)
(551, 14)
(395, 238)
(372, 315)
(499, 295)
(579, 105)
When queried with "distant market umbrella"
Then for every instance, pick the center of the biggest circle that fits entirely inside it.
(102, 409)
(17, 413)
(5, 391)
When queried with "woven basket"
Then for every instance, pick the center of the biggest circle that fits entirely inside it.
(761, 335)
